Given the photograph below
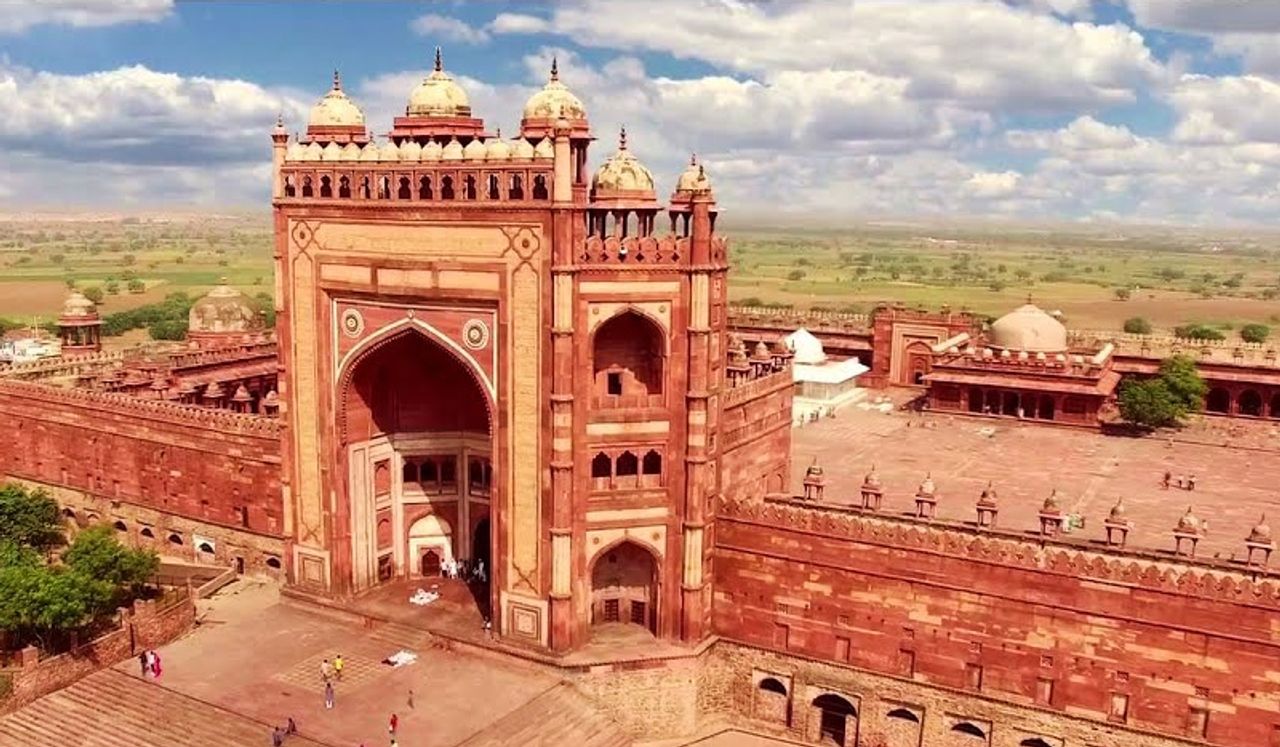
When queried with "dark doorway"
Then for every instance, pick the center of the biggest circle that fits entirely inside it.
(833, 721)
(1046, 407)
(1012, 404)
(975, 399)
(1219, 400)
(430, 563)
(480, 544)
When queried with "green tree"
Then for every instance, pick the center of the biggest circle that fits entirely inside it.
(94, 293)
(1198, 332)
(1254, 332)
(1022, 274)
(795, 275)
(29, 518)
(128, 259)
(97, 553)
(136, 286)
(1137, 326)
(168, 329)
(1165, 400)
(1122, 294)
(113, 287)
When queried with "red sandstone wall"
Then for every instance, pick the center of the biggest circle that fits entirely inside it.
(755, 437)
(930, 604)
(202, 465)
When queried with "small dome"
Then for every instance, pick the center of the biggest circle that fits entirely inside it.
(544, 149)
(331, 152)
(521, 149)
(410, 150)
(927, 487)
(241, 395)
(815, 470)
(314, 152)
(872, 480)
(432, 151)
(389, 152)
(497, 149)
(350, 152)
(1051, 505)
(295, 152)
(988, 496)
(438, 96)
(214, 391)
(77, 305)
(808, 349)
(761, 352)
(622, 172)
(1028, 328)
(693, 178)
(1189, 523)
(452, 151)
(271, 400)
(223, 310)
(370, 152)
(1261, 533)
(554, 101)
(475, 150)
(336, 110)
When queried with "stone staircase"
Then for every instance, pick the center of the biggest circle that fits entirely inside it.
(558, 717)
(114, 709)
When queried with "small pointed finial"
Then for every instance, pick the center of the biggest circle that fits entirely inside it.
(1028, 296)
(555, 69)
(498, 133)
(337, 80)
(693, 159)
(280, 121)
(622, 138)
(439, 60)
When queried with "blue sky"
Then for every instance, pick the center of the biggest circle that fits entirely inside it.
(1163, 111)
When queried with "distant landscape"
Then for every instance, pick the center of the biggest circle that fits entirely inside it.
(1097, 278)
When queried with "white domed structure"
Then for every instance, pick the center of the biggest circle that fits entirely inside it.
(438, 95)
(1030, 329)
(336, 109)
(554, 101)
(693, 178)
(808, 349)
(222, 312)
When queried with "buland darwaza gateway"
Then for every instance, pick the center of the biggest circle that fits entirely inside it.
(489, 348)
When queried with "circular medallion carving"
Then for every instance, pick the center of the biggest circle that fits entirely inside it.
(475, 334)
(352, 323)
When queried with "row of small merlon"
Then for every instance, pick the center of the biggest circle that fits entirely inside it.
(493, 149)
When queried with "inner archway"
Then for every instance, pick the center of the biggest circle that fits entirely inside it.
(414, 415)
(624, 587)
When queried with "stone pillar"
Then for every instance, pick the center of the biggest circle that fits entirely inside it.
(279, 138)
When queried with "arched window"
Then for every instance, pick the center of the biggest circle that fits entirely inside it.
(175, 539)
(772, 685)
(493, 187)
(326, 187)
(428, 472)
(273, 562)
(384, 188)
(446, 188)
(120, 526)
(469, 187)
(964, 727)
(652, 463)
(424, 188)
(517, 187)
(205, 547)
(344, 186)
(290, 189)
(628, 358)
(409, 473)
(306, 187)
(1219, 400)
(540, 187)
(364, 187)
(834, 713)
(601, 466)
(628, 465)
(903, 714)
(404, 192)
(146, 532)
(1250, 403)
(1034, 742)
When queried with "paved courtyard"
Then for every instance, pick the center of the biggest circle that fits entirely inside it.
(1235, 486)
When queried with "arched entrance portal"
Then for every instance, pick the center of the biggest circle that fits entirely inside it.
(624, 585)
(414, 420)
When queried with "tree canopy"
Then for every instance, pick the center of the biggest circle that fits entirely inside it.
(1165, 400)
(29, 518)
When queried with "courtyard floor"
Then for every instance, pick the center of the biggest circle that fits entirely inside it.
(1025, 461)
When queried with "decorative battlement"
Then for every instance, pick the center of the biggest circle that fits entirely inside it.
(637, 250)
(220, 355)
(1080, 362)
(1213, 579)
(476, 179)
(811, 319)
(61, 365)
(749, 389)
(1227, 352)
(201, 417)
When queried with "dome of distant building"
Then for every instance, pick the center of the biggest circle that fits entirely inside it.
(438, 95)
(1028, 328)
(336, 109)
(694, 178)
(77, 305)
(554, 101)
(807, 348)
(223, 310)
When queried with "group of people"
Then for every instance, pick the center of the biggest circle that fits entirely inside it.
(1187, 482)
(330, 671)
(280, 732)
(465, 570)
(149, 662)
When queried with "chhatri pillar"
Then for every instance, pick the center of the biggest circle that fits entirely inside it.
(79, 325)
(1259, 543)
(1117, 525)
(927, 499)
(987, 508)
(872, 491)
(1188, 533)
(814, 482)
(1051, 516)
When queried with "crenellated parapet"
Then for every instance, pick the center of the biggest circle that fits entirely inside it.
(65, 365)
(229, 354)
(1226, 352)
(638, 250)
(790, 318)
(168, 411)
(1205, 578)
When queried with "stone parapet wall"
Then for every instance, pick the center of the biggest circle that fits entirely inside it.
(649, 700)
(149, 624)
(1006, 617)
(60, 366)
(754, 443)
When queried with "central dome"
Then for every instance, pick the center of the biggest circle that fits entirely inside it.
(77, 305)
(1028, 328)
(554, 101)
(438, 95)
(335, 109)
(222, 310)
(622, 172)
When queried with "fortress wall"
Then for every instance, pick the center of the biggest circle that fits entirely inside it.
(755, 437)
(1003, 620)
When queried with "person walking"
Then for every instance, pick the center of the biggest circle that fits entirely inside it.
(291, 727)
(391, 727)
(337, 666)
(328, 694)
(326, 670)
(277, 739)
(411, 700)
(143, 663)
(1168, 477)
(155, 664)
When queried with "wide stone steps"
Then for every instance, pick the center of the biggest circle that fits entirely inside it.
(558, 717)
(114, 709)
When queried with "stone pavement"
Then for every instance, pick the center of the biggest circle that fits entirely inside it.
(1025, 462)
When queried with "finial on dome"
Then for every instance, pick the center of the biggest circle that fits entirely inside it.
(337, 80)
(622, 138)
(1028, 296)
(280, 120)
(555, 69)
(497, 132)
(693, 159)
(439, 60)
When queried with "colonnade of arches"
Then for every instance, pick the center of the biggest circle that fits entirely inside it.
(421, 187)
(1253, 402)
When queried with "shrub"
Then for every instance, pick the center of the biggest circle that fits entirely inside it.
(1137, 326)
(795, 275)
(1198, 332)
(94, 293)
(1254, 332)
(1122, 294)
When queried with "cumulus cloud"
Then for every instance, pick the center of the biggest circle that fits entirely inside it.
(1247, 29)
(437, 26)
(19, 15)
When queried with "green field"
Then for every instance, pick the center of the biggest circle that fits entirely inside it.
(1172, 277)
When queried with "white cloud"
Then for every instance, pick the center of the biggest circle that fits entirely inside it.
(445, 27)
(1247, 29)
(987, 184)
(1227, 109)
(19, 15)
